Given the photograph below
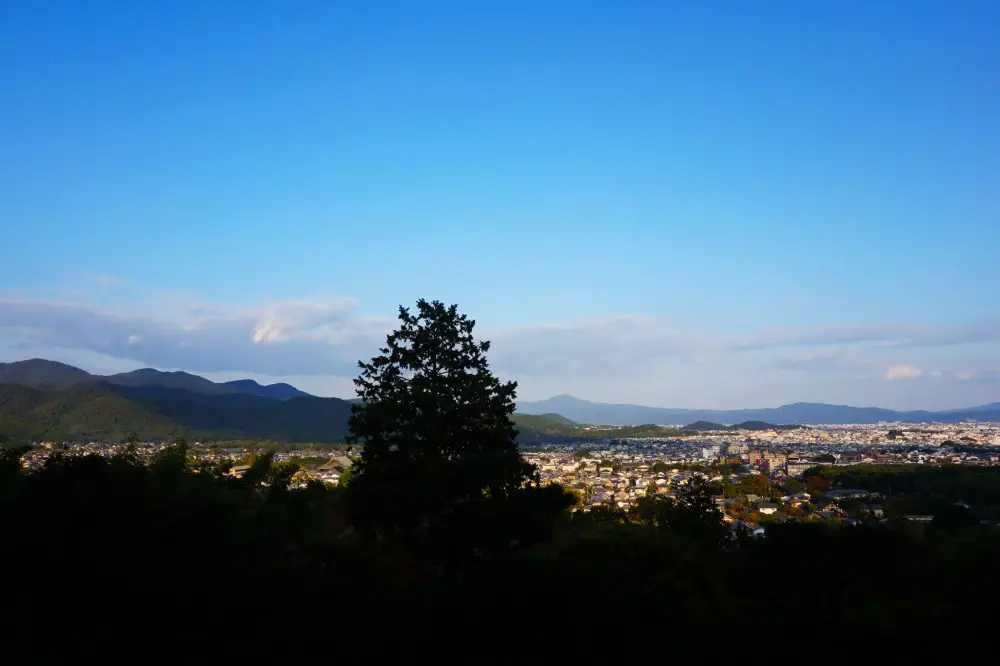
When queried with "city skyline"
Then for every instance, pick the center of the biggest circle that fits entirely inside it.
(677, 207)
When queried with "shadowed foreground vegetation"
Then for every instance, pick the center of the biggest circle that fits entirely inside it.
(110, 542)
(441, 544)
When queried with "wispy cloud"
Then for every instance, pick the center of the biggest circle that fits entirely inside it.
(898, 371)
(111, 281)
(604, 346)
(884, 334)
(280, 338)
(827, 360)
(978, 374)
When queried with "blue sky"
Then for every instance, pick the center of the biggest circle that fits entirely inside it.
(727, 204)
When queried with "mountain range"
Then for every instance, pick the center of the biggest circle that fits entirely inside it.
(46, 400)
(583, 411)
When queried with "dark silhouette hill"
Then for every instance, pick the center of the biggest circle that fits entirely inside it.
(43, 374)
(51, 375)
(170, 380)
(705, 426)
(279, 390)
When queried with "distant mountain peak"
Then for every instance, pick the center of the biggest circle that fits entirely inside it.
(279, 390)
(42, 373)
(244, 382)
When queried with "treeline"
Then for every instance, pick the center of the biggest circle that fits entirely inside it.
(224, 553)
(923, 489)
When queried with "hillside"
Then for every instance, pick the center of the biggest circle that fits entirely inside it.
(705, 426)
(88, 414)
(108, 412)
(534, 428)
(560, 419)
(539, 428)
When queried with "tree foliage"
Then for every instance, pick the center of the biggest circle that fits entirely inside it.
(692, 515)
(435, 424)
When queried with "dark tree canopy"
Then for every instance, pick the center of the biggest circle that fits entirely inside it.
(434, 423)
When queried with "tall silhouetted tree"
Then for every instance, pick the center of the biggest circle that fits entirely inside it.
(434, 424)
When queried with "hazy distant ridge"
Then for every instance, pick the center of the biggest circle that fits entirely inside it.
(584, 411)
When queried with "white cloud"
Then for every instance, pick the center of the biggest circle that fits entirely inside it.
(302, 337)
(902, 371)
(981, 373)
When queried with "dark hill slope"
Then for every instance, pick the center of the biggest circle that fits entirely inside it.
(87, 414)
(107, 412)
(169, 380)
(54, 376)
(42, 374)
(237, 416)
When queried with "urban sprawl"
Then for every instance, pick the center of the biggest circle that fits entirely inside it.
(617, 473)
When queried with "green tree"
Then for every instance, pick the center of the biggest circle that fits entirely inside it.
(10, 461)
(609, 463)
(954, 519)
(817, 484)
(578, 495)
(692, 515)
(434, 423)
(793, 486)
(171, 461)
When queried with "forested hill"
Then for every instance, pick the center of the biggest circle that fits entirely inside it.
(107, 412)
(98, 411)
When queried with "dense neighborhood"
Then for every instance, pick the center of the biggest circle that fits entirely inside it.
(756, 477)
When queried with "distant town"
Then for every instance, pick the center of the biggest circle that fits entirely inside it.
(759, 475)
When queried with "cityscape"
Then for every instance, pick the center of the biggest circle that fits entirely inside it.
(760, 476)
